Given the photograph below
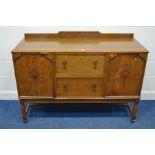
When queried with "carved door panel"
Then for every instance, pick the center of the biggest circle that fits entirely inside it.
(124, 74)
(34, 74)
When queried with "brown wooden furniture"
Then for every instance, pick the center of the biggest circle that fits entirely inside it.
(83, 67)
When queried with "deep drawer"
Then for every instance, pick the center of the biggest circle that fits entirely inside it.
(79, 65)
(79, 88)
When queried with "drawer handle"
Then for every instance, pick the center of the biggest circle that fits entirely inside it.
(94, 87)
(65, 88)
(95, 64)
(64, 64)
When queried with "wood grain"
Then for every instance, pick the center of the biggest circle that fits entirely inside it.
(34, 74)
(79, 65)
(68, 67)
(127, 75)
(77, 34)
(77, 41)
(82, 88)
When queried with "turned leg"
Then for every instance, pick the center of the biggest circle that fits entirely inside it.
(29, 103)
(128, 104)
(23, 110)
(134, 111)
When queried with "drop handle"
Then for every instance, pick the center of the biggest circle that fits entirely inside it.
(65, 87)
(94, 87)
(64, 64)
(95, 64)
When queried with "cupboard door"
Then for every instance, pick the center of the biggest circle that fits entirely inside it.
(125, 74)
(34, 74)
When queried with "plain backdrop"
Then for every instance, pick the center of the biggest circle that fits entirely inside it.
(75, 13)
(10, 36)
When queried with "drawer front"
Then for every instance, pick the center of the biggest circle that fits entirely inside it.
(79, 88)
(79, 66)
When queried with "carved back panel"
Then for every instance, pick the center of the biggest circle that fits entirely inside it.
(34, 74)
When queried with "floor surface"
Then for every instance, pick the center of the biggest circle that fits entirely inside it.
(96, 116)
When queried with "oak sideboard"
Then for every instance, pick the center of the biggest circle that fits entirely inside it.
(79, 67)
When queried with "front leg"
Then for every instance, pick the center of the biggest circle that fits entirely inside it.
(23, 110)
(134, 111)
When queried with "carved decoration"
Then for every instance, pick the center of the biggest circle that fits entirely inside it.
(124, 73)
(48, 57)
(16, 56)
(136, 56)
(34, 74)
(143, 56)
(112, 56)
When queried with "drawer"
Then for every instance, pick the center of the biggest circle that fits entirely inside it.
(89, 88)
(79, 66)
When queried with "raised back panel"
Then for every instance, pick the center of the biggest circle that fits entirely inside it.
(76, 34)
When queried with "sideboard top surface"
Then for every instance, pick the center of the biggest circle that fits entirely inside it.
(79, 42)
